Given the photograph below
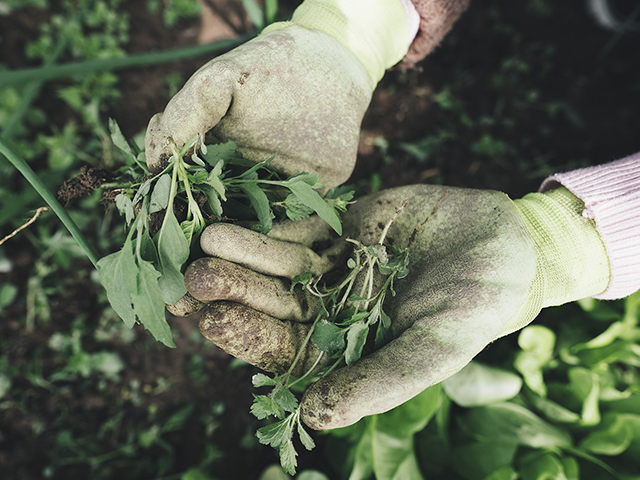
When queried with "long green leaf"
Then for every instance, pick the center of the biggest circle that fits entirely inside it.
(309, 197)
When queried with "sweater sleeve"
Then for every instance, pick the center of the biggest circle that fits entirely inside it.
(611, 196)
(436, 19)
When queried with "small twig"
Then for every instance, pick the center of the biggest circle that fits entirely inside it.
(39, 212)
(395, 215)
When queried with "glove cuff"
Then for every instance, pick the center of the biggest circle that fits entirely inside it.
(572, 260)
(377, 32)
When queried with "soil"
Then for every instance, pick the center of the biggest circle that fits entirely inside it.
(601, 91)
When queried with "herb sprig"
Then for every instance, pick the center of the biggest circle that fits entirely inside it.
(214, 184)
(348, 326)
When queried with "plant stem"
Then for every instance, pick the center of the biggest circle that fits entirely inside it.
(22, 166)
(130, 61)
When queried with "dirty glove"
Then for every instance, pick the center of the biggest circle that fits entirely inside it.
(481, 266)
(301, 87)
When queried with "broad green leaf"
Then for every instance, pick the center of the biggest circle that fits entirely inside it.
(477, 384)
(309, 197)
(260, 204)
(504, 473)
(412, 416)
(393, 457)
(149, 304)
(612, 437)
(356, 338)
(173, 251)
(363, 458)
(545, 467)
(328, 337)
(160, 194)
(476, 460)
(513, 424)
(118, 273)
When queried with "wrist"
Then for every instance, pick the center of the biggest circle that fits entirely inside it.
(377, 32)
(572, 260)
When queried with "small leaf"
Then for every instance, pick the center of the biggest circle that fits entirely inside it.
(611, 438)
(261, 380)
(119, 141)
(305, 438)
(283, 397)
(309, 197)
(260, 204)
(356, 339)
(263, 406)
(275, 434)
(143, 191)
(478, 384)
(295, 209)
(328, 337)
(160, 194)
(125, 207)
(220, 152)
(288, 456)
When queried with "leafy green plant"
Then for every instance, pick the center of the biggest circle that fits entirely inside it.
(349, 325)
(146, 273)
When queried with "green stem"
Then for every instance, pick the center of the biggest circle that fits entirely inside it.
(22, 166)
(105, 64)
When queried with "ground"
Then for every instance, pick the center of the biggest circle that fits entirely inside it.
(517, 91)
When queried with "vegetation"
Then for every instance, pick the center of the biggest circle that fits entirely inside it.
(517, 91)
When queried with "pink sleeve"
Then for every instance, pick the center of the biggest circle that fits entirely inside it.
(611, 195)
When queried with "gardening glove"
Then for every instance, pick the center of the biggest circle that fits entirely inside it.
(480, 266)
(300, 88)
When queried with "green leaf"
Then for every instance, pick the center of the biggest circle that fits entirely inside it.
(125, 207)
(412, 416)
(275, 434)
(263, 406)
(214, 180)
(394, 458)
(476, 460)
(173, 251)
(261, 380)
(478, 384)
(553, 411)
(545, 467)
(260, 204)
(288, 456)
(612, 437)
(309, 197)
(143, 191)
(177, 420)
(305, 438)
(328, 338)
(513, 424)
(537, 344)
(119, 141)
(213, 201)
(160, 194)
(149, 304)
(222, 152)
(295, 209)
(283, 397)
(356, 339)
(118, 273)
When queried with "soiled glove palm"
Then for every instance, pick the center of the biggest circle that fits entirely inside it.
(300, 88)
(481, 266)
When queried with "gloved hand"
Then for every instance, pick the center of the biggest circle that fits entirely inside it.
(301, 87)
(481, 266)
